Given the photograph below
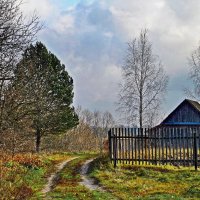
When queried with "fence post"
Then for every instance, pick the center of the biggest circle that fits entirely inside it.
(115, 148)
(155, 140)
(195, 150)
(109, 143)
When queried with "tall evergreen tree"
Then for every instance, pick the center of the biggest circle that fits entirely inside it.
(47, 91)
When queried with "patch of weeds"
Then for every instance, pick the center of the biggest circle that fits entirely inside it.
(33, 178)
(103, 196)
(193, 191)
(143, 172)
(164, 179)
(23, 192)
(9, 164)
(183, 175)
(160, 197)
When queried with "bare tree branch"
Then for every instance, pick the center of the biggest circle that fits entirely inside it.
(16, 34)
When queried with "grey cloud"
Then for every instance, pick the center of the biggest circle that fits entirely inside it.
(92, 52)
(184, 10)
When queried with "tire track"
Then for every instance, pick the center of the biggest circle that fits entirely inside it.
(53, 178)
(88, 182)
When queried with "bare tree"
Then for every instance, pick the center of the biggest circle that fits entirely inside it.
(80, 138)
(98, 123)
(107, 122)
(89, 135)
(194, 75)
(15, 132)
(144, 82)
(102, 122)
(87, 116)
(16, 33)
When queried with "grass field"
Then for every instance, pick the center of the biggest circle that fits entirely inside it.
(148, 182)
(24, 176)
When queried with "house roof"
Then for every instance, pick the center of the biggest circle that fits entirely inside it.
(195, 105)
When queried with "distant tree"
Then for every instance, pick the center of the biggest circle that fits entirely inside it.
(144, 82)
(107, 122)
(194, 75)
(97, 123)
(82, 138)
(47, 92)
(101, 123)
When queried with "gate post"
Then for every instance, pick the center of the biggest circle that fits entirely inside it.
(195, 150)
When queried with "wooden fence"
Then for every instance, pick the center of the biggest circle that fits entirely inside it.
(179, 146)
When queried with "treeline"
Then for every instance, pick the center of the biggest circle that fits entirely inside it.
(89, 135)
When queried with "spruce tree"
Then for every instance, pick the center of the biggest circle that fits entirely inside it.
(47, 92)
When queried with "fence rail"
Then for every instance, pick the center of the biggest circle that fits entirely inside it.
(160, 145)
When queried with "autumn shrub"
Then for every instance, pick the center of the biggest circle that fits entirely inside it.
(28, 160)
(17, 175)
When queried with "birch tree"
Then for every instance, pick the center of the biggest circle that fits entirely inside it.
(144, 82)
(194, 75)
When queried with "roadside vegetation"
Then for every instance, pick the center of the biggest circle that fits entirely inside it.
(24, 175)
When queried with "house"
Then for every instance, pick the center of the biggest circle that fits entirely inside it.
(181, 124)
(186, 114)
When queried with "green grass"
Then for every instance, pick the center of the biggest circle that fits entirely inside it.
(147, 182)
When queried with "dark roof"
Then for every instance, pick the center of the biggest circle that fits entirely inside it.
(194, 105)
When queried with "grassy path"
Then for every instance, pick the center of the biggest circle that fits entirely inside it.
(54, 176)
(87, 181)
(68, 186)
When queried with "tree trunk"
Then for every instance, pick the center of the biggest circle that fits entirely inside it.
(141, 110)
(37, 140)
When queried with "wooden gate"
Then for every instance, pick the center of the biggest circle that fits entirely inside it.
(155, 146)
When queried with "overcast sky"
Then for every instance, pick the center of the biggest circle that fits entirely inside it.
(90, 38)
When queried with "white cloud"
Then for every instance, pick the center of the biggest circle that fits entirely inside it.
(44, 8)
(64, 24)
